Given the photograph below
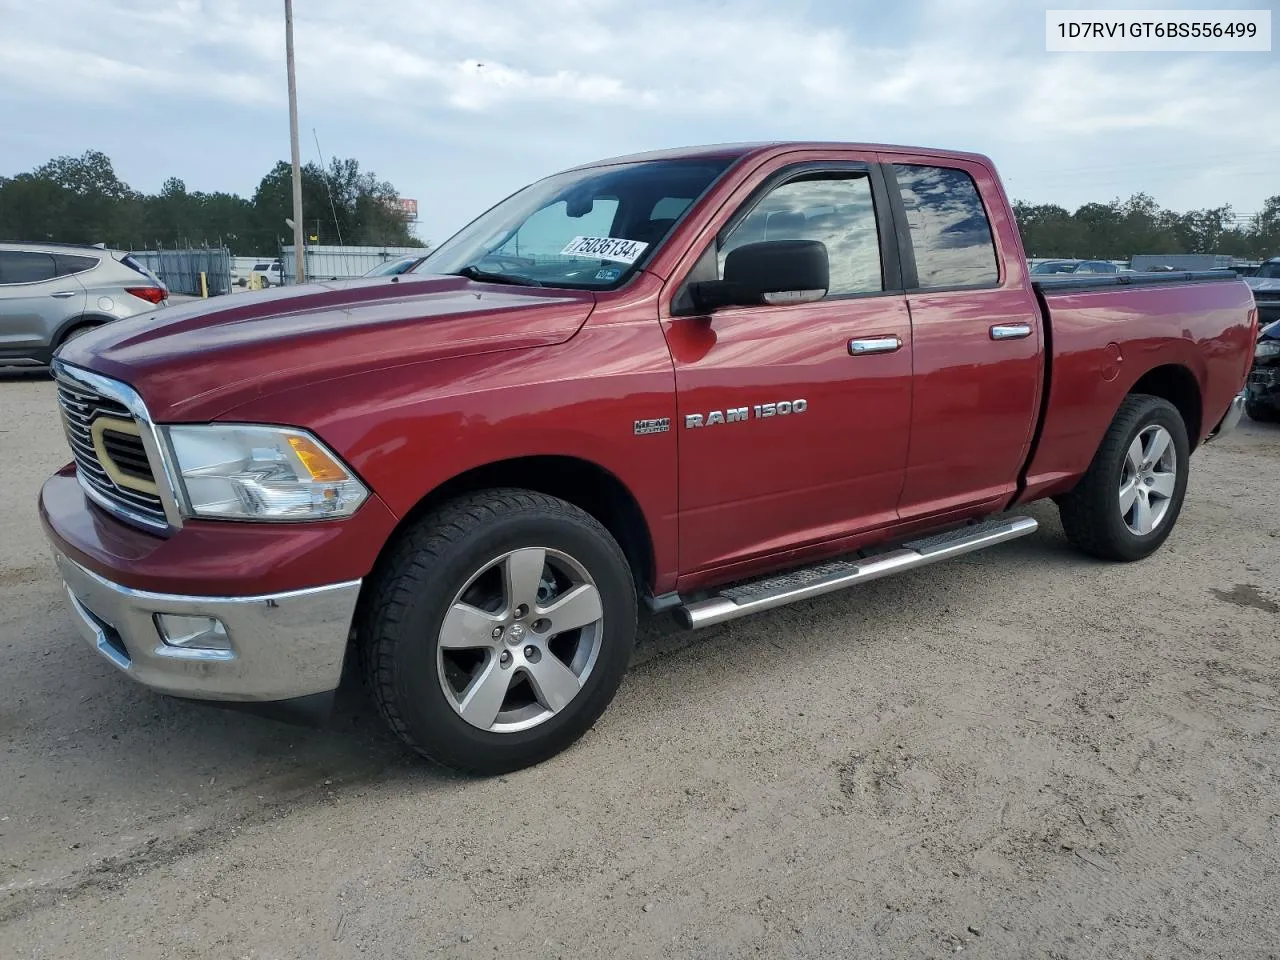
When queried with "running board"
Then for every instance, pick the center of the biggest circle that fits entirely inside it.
(733, 602)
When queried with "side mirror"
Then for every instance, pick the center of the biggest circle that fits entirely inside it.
(769, 272)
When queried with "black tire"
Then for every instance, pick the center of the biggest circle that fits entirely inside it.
(76, 332)
(1261, 412)
(414, 589)
(1091, 514)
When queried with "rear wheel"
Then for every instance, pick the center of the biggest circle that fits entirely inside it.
(499, 630)
(76, 332)
(1126, 504)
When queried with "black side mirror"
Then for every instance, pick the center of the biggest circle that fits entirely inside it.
(769, 272)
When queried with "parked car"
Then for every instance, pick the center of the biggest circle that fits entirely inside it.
(53, 292)
(711, 381)
(1265, 284)
(1263, 402)
(1264, 378)
(1051, 267)
(269, 272)
(394, 267)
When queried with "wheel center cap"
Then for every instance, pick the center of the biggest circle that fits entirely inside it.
(515, 634)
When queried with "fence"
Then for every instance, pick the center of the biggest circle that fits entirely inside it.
(180, 269)
(339, 263)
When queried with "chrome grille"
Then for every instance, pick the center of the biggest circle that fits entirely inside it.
(80, 407)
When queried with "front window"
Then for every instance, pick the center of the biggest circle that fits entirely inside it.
(586, 229)
(833, 207)
(1269, 271)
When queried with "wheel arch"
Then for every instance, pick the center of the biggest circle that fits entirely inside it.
(1175, 383)
(75, 323)
(581, 482)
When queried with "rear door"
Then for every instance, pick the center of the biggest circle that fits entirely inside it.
(976, 335)
(35, 302)
(793, 418)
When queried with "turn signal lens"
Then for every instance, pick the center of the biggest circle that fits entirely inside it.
(317, 463)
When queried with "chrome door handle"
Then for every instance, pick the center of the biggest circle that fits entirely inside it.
(1010, 331)
(859, 348)
(63, 294)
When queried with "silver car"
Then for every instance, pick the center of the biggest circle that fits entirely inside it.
(51, 292)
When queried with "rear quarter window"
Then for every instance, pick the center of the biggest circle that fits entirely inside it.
(950, 232)
(67, 264)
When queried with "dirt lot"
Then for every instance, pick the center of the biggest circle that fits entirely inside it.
(1023, 753)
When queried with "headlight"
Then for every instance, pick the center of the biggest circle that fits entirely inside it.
(242, 472)
(1267, 348)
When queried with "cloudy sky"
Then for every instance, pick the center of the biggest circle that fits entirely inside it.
(460, 102)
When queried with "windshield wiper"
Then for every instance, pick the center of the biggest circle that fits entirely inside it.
(472, 272)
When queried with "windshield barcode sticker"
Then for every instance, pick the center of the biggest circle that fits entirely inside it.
(605, 248)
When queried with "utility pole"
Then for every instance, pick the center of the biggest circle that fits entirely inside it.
(299, 253)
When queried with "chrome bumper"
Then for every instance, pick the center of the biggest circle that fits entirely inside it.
(1232, 418)
(282, 646)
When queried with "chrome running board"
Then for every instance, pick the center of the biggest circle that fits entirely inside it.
(754, 597)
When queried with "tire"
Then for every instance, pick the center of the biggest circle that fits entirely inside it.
(75, 332)
(1261, 412)
(1093, 513)
(450, 576)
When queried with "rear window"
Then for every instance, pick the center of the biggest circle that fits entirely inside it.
(67, 264)
(949, 227)
(19, 266)
(130, 261)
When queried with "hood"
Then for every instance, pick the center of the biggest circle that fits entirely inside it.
(196, 360)
(1259, 284)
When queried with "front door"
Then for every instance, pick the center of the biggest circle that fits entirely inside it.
(793, 420)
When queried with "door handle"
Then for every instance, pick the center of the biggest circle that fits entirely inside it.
(63, 294)
(862, 347)
(1010, 331)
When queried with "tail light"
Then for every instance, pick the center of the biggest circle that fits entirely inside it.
(154, 295)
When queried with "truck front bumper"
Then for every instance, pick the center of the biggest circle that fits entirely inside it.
(253, 614)
(279, 646)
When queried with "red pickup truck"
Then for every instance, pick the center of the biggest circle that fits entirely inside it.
(710, 381)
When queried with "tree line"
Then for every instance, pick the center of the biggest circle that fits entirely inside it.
(1122, 228)
(82, 200)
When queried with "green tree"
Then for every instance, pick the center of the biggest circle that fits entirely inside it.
(81, 200)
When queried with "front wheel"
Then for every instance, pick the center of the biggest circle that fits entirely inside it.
(1126, 504)
(499, 630)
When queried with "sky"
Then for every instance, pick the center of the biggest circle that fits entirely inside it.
(460, 103)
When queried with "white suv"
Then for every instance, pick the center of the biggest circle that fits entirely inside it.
(269, 271)
(51, 292)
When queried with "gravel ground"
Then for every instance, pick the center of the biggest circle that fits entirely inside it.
(1022, 753)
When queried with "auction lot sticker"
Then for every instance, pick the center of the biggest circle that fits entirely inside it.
(1158, 31)
(605, 248)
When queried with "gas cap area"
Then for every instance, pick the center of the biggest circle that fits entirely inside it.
(1111, 366)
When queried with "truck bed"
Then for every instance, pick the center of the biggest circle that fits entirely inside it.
(1103, 339)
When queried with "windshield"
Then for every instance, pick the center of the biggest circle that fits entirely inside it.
(1269, 270)
(587, 229)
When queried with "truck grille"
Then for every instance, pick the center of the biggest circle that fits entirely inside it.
(111, 460)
